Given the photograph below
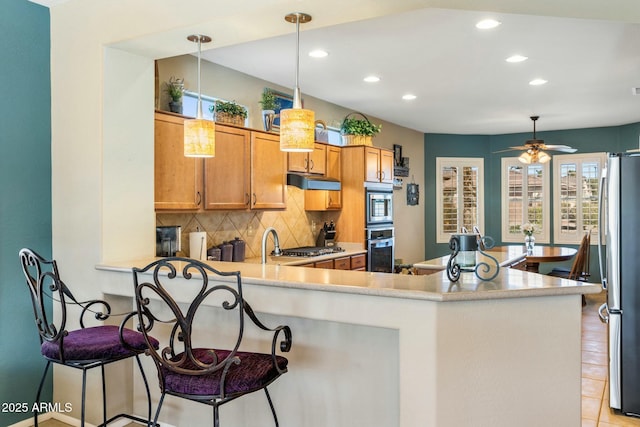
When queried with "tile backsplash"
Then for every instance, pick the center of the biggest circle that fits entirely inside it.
(294, 225)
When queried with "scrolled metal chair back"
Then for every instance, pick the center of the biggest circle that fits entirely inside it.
(159, 288)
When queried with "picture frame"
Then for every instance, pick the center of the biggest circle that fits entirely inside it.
(284, 101)
(397, 154)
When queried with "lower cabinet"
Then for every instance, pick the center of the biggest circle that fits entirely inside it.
(354, 262)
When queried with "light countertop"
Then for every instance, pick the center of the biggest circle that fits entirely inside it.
(509, 283)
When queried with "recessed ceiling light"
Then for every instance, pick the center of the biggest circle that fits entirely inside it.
(516, 58)
(371, 79)
(487, 24)
(318, 53)
(409, 97)
(537, 82)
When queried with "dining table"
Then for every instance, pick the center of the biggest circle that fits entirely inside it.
(539, 254)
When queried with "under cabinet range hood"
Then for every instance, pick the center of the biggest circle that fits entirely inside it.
(313, 182)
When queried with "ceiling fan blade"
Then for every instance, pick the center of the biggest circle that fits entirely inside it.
(563, 148)
(520, 148)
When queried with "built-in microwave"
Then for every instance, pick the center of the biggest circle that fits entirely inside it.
(379, 206)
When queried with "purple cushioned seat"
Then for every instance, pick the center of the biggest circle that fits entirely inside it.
(255, 371)
(96, 343)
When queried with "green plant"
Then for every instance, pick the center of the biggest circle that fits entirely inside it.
(269, 100)
(175, 88)
(229, 107)
(351, 126)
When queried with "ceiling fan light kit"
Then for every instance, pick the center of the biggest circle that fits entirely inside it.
(534, 148)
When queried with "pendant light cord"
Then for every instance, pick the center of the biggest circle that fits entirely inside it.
(199, 112)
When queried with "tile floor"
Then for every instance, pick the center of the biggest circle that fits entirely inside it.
(595, 405)
(595, 392)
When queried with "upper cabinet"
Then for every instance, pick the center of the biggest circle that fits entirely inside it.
(227, 175)
(268, 172)
(314, 162)
(322, 200)
(378, 165)
(248, 171)
(178, 179)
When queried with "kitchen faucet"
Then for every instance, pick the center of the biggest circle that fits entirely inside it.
(276, 243)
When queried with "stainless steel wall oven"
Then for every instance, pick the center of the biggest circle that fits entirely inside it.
(380, 250)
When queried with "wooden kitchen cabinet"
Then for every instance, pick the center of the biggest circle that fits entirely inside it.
(247, 172)
(268, 172)
(178, 179)
(359, 262)
(322, 200)
(324, 264)
(314, 162)
(343, 263)
(378, 165)
(227, 175)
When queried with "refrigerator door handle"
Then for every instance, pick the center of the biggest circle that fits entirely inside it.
(601, 225)
(603, 313)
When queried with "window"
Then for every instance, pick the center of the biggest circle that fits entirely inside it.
(190, 105)
(460, 195)
(525, 198)
(577, 178)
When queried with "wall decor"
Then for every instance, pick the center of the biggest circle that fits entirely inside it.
(413, 194)
(284, 102)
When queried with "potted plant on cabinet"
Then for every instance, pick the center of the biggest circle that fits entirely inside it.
(175, 90)
(358, 131)
(229, 112)
(269, 104)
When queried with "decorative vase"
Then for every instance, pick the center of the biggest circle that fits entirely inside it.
(529, 242)
(267, 119)
(175, 107)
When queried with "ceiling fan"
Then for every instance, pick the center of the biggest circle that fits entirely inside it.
(534, 148)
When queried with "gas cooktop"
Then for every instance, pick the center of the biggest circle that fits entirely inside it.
(309, 251)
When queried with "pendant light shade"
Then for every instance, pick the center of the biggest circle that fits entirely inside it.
(297, 125)
(199, 134)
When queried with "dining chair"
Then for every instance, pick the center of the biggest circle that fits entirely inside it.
(214, 371)
(580, 269)
(83, 348)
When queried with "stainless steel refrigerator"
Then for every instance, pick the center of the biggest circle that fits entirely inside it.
(620, 271)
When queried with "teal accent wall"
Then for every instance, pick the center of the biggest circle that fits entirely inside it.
(603, 139)
(25, 193)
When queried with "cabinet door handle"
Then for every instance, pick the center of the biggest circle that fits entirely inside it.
(306, 163)
(382, 176)
(198, 198)
(311, 162)
(255, 199)
(248, 198)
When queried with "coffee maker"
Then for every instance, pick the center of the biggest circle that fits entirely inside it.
(327, 236)
(168, 240)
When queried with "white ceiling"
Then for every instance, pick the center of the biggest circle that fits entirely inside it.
(588, 50)
(458, 73)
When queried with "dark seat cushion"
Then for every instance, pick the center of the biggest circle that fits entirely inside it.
(96, 343)
(254, 372)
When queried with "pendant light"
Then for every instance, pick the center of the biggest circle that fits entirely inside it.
(297, 125)
(199, 134)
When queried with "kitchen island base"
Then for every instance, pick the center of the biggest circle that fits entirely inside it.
(385, 360)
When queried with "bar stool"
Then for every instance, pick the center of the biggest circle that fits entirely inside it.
(84, 348)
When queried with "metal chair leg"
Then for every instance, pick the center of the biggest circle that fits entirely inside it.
(273, 410)
(84, 394)
(216, 416)
(146, 386)
(155, 419)
(44, 376)
(104, 397)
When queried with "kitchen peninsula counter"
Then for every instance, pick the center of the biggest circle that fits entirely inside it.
(409, 351)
